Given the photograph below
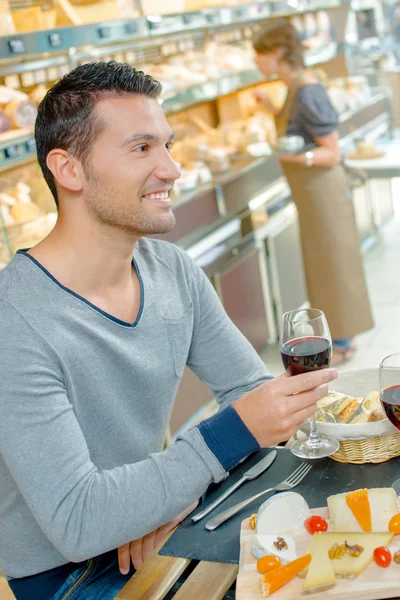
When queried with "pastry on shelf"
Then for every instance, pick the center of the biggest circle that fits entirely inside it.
(18, 108)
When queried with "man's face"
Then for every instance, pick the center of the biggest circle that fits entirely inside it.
(129, 171)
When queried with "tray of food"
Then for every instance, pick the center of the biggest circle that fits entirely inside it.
(347, 549)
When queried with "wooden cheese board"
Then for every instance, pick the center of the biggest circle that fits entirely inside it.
(375, 583)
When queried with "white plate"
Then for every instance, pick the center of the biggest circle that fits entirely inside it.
(354, 383)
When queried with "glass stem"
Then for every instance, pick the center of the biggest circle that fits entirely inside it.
(314, 441)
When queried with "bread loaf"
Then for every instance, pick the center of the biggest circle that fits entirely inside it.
(5, 122)
(24, 212)
(22, 112)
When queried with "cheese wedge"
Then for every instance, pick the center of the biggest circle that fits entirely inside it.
(320, 573)
(347, 566)
(383, 505)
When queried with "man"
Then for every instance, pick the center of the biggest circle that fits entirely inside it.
(93, 347)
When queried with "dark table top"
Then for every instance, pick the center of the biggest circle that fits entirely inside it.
(327, 477)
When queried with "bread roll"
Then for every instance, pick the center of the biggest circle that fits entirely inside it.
(324, 416)
(5, 122)
(21, 112)
(24, 212)
(348, 412)
(7, 199)
(335, 403)
(376, 415)
(370, 410)
(372, 402)
(360, 416)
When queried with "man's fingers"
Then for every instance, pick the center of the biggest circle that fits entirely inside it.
(163, 531)
(307, 381)
(136, 553)
(304, 414)
(149, 544)
(306, 399)
(187, 511)
(284, 375)
(124, 559)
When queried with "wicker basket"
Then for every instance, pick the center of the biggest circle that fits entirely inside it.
(370, 450)
(364, 442)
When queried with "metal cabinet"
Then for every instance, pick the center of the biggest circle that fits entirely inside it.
(243, 288)
(285, 267)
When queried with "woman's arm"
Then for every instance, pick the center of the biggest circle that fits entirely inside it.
(326, 154)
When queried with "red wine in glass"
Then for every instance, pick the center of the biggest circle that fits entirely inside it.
(390, 399)
(306, 354)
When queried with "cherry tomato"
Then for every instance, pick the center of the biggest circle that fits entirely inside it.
(382, 556)
(394, 524)
(315, 523)
(267, 563)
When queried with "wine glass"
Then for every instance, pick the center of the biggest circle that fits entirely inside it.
(306, 345)
(389, 390)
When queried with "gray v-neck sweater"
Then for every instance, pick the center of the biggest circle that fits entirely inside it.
(85, 400)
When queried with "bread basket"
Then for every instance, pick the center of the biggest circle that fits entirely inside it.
(360, 442)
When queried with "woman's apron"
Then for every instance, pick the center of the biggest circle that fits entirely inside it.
(330, 240)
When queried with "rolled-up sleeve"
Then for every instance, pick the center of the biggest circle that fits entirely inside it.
(317, 114)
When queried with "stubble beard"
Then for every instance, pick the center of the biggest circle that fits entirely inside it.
(102, 203)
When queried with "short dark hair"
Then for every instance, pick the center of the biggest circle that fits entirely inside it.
(281, 34)
(65, 116)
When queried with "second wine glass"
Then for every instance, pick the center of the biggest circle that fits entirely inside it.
(306, 346)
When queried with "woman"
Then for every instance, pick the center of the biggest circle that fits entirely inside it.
(318, 182)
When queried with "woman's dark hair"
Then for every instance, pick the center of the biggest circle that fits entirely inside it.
(281, 34)
(66, 116)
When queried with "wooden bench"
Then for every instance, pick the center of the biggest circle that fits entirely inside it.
(160, 573)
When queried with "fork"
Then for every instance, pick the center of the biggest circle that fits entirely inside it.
(288, 484)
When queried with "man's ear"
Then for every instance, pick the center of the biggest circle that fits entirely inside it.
(66, 169)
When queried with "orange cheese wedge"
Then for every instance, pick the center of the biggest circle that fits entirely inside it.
(358, 503)
(275, 579)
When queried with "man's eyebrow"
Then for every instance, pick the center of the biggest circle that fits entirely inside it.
(144, 137)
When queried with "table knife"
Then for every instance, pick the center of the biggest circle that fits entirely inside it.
(252, 473)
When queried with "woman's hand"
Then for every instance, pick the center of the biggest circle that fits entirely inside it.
(326, 153)
(263, 99)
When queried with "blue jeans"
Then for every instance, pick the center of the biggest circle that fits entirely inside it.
(95, 579)
(345, 343)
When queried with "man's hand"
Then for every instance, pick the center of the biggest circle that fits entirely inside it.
(274, 411)
(139, 550)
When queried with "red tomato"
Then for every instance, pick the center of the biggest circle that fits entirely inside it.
(382, 556)
(315, 523)
(394, 524)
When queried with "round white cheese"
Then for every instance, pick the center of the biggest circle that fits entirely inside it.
(263, 545)
(281, 514)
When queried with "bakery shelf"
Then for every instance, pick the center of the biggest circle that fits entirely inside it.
(54, 41)
(234, 82)
(211, 90)
(18, 146)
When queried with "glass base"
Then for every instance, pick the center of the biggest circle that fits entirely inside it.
(396, 487)
(319, 447)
